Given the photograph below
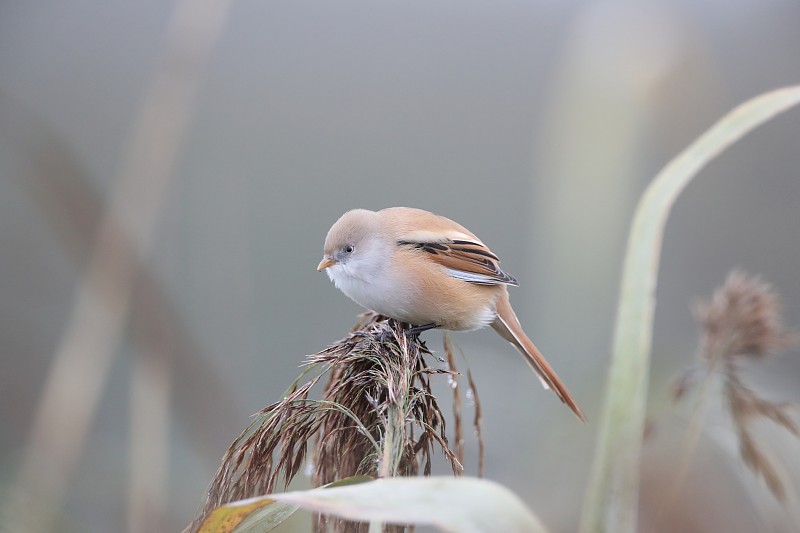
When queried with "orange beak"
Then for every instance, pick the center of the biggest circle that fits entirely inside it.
(325, 263)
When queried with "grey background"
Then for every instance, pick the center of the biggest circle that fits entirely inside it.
(535, 124)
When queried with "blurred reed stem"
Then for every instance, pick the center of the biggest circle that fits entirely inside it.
(79, 371)
(613, 492)
(65, 197)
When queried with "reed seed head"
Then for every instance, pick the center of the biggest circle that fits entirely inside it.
(743, 320)
(377, 416)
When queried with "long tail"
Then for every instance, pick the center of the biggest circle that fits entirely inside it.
(507, 326)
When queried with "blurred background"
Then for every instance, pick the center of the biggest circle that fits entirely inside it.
(168, 172)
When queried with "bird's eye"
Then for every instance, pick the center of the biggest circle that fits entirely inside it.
(348, 249)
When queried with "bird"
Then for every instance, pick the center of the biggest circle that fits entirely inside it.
(430, 272)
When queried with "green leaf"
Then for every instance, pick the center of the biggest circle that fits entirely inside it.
(259, 514)
(612, 499)
(239, 516)
(466, 505)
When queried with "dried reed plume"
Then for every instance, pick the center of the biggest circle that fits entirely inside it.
(743, 321)
(377, 417)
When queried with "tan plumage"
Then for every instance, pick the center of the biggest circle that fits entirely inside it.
(427, 270)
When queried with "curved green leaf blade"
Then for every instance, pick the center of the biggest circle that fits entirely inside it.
(238, 516)
(464, 505)
(259, 514)
(612, 497)
(266, 517)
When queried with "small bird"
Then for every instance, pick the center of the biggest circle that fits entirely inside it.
(430, 272)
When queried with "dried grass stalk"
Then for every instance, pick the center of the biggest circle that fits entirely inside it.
(377, 416)
(743, 320)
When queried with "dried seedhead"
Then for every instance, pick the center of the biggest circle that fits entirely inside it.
(377, 416)
(743, 320)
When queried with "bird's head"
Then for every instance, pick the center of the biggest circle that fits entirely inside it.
(355, 246)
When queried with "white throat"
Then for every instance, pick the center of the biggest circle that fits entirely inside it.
(365, 279)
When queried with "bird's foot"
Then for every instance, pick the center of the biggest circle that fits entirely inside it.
(413, 331)
(416, 330)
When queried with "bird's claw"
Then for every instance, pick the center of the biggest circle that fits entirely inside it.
(416, 330)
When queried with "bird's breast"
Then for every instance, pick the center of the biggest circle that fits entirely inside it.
(451, 303)
(383, 294)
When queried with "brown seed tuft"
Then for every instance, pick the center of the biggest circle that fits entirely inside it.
(377, 416)
(743, 320)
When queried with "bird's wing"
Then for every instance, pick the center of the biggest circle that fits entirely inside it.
(463, 258)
